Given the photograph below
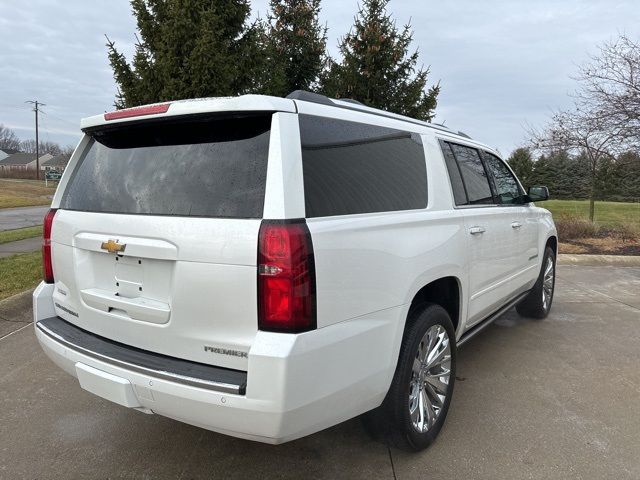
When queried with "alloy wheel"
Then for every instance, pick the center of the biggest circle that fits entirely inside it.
(547, 284)
(430, 378)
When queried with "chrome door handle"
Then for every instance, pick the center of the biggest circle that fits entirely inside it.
(516, 225)
(476, 230)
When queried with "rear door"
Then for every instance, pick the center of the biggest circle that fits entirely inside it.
(154, 243)
(491, 251)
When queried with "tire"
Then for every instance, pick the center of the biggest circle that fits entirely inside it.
(428, 326)
(537, 303)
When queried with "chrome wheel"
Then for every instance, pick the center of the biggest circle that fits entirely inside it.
(547, 284)
(430, 378)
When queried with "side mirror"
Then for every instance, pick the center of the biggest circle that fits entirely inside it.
(538, 194)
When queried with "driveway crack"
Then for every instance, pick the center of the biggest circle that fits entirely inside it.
(393, 468)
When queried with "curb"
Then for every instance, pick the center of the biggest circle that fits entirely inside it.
(599, 260)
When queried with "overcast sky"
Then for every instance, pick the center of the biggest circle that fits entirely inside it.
(502, 64)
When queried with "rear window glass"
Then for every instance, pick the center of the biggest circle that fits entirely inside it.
(354, 168)
(474, 175)
(201, 166)
(459, 193)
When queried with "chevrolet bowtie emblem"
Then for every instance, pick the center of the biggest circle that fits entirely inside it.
(112, 246)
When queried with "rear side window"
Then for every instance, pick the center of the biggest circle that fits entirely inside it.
(354, 168)
(506, 186)
(206, 166)
(459, 194)
(473, 174)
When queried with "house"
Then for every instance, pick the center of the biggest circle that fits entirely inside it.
(58, 163)
(20, 162)
(5, 152)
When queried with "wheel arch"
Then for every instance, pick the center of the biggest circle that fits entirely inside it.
(444, 291)
(552, 242)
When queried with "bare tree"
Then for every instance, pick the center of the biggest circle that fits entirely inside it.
(8, 139)
(605, 118)
(610, 87)
(580, 131)
(29, 146)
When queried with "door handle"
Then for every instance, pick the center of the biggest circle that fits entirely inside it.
(516, 225)
(476, 230)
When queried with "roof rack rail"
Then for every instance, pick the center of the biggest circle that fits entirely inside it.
(351, 100)
(352, 104)
(310, 97)
(462, 134)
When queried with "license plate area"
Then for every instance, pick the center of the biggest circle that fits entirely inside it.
(148, 280)
(129, 276)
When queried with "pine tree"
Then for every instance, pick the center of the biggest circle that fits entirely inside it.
(295, 44)
(626, 177)
(186, 49)
(522, 164)
(377, 69)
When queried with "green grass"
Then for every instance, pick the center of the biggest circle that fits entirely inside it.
(25, 193)
(19, 273)
(20, 234)
(606, 213)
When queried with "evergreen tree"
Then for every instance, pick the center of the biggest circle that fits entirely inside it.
(522, 164)
(295, 45)
(626, 177)
(377, 69)
(187, 49)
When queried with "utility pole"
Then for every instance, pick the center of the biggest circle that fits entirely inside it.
(35, 104)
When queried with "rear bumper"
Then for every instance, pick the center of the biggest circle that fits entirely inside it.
(296, 384)
(221, 380)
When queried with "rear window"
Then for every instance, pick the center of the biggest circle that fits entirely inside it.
(474, 175)
(207, 166)
(354, 168)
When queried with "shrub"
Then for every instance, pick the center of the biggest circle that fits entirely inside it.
(571, 227)
(623, 231)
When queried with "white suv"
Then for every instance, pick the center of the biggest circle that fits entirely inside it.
(267, 267)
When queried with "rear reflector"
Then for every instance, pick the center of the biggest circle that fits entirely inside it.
(137, 111)
(286, 277)
(47, 265)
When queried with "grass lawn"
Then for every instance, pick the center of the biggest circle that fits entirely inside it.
(19, 273)
(606, 213)
(25, 193)
(20, 234)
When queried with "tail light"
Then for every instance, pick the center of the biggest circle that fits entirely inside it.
(137, 111)
(286, 277)
(47, 266)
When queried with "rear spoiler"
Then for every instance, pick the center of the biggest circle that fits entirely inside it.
(244, 103)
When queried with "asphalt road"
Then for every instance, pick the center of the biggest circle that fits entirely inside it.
(552, 399)
(12, 218)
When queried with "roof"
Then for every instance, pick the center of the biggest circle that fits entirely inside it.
(58, 161)
(10, 151)
(23, 159)
(296, 102)
(18, 159)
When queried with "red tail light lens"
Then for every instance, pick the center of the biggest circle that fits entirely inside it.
(286, 277)
(137, 111)
(47, 266)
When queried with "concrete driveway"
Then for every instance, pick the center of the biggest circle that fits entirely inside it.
(12, 218)
(558, 398)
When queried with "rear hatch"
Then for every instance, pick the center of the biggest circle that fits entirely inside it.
(154, 242)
